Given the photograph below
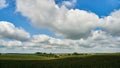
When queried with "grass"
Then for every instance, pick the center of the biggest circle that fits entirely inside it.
(64, 61)
(23, 57)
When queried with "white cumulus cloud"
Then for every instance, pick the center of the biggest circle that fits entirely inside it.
(98, 41)
(9, 31)
(69, 4)
(68, 23)
(4, 43)
(3, 4)
(111, 23)
(61, 20)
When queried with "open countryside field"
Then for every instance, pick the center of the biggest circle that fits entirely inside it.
(60, 61)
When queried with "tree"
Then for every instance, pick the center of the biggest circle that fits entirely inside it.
(39, 53)
(75, 53)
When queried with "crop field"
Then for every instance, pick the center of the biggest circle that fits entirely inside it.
(61, 61)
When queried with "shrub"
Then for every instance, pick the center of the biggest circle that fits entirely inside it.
(39, 53)
(75, 53)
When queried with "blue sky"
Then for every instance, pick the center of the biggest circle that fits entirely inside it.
(98, 9)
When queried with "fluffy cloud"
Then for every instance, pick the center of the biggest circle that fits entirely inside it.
(13, 43)
(100, 39)
(47, 42)
(111, 23)
(76, 24)
(69, 4)
(96, 42)
(9, 31)
(61, 20)
(3, 4)
(68, 23)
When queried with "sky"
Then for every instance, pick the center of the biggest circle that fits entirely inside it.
(59, 26)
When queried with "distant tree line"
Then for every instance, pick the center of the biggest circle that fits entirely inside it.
(47, 54)
(57, 55)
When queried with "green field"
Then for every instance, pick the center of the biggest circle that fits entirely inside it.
(61, 61)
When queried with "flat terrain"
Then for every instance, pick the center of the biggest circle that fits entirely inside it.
(60, 61)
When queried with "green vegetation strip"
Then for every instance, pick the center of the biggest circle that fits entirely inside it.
(63, 61)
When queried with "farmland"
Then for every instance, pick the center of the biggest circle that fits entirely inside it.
(60, 61)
